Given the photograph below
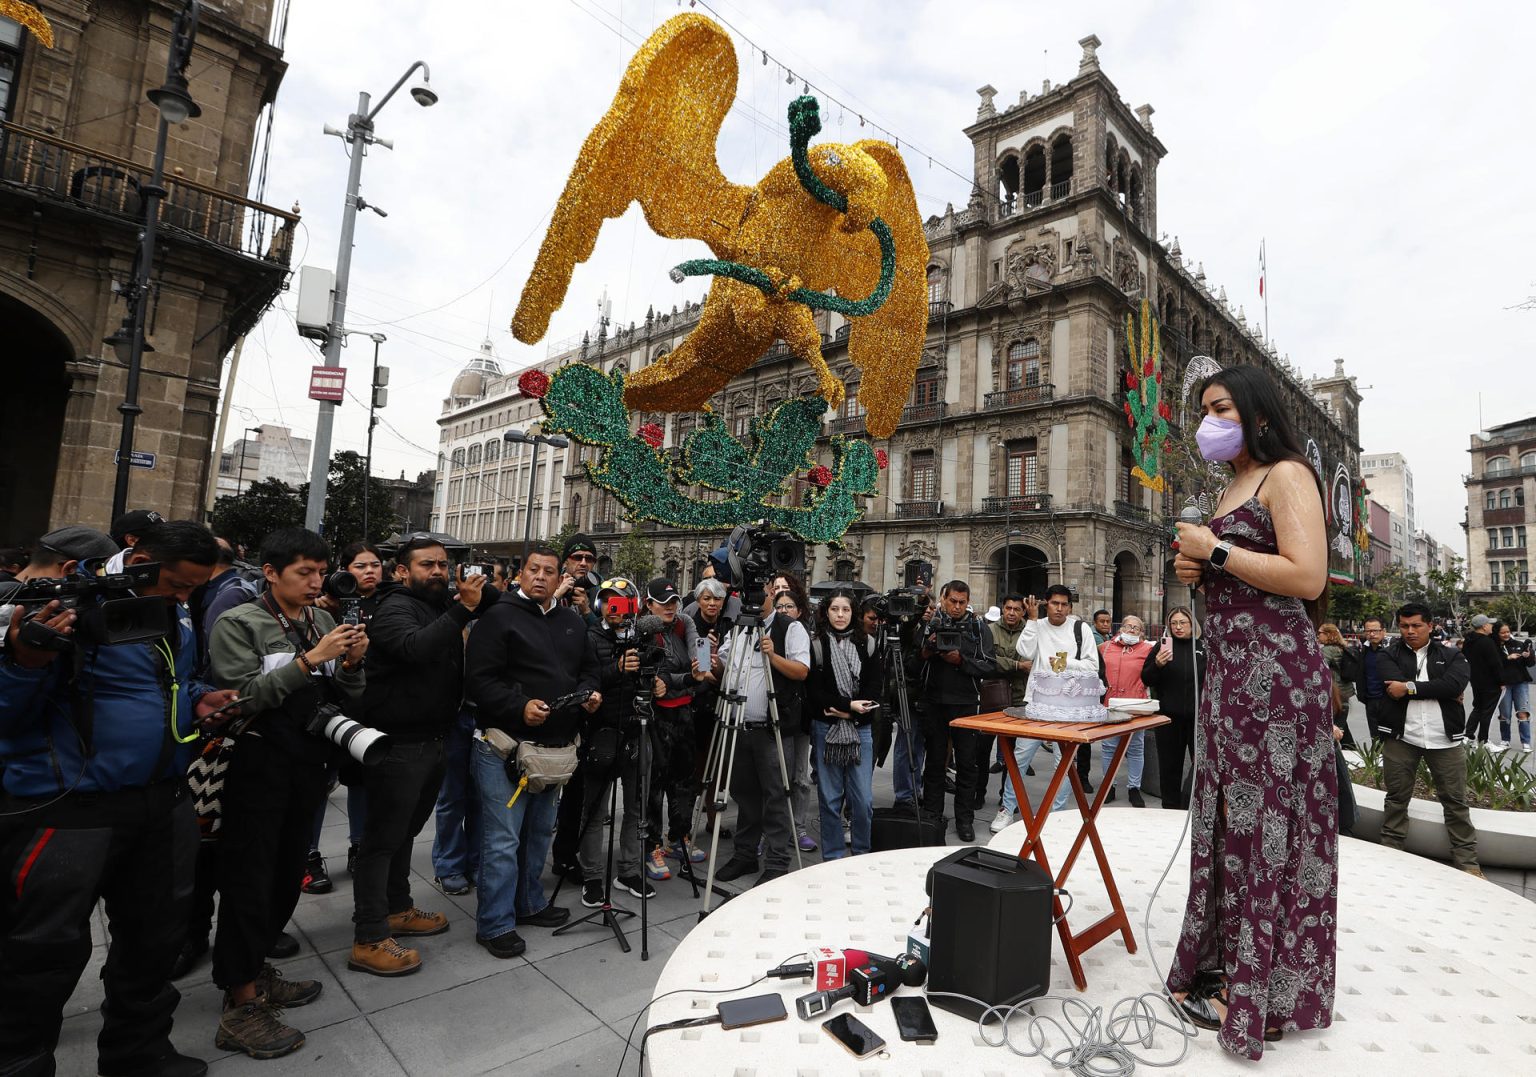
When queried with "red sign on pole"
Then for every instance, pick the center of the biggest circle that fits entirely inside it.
(327, 383)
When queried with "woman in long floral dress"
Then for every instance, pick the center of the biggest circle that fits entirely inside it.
(1256, 953)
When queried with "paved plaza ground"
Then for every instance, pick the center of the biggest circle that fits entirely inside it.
(565, 1007)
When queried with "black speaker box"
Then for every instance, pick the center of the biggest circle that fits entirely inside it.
(897, 828)
(990, 930)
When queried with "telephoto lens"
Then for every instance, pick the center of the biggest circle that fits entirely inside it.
(363, 743)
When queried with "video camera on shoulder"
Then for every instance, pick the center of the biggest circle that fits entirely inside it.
(107, 612)
(755, 555)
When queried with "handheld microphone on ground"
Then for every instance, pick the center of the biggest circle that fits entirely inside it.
(829, 967)
(867, 984)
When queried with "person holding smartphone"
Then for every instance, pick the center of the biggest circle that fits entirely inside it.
(1174, 673)
(842, 694)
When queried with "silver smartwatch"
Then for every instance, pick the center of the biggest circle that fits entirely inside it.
(1219, 556)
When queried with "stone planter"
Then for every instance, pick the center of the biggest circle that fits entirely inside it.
(1505, 839)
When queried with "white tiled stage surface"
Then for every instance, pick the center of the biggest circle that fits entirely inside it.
(1437, 969)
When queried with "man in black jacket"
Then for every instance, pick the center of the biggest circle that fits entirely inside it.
(957, 653)
(526, 654)
(415, 673)
(1421, 717)
(1485, 662)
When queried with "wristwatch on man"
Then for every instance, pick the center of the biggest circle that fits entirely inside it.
(1219, 556)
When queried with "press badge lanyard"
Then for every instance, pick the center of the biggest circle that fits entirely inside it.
(170, 667)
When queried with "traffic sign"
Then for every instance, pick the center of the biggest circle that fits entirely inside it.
(145, 460)
(327, 383)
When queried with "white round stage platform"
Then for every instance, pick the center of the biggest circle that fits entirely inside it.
(1436, 968)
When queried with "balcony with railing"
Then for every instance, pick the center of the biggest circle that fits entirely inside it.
(1501, 476)
(924, 413)
(938, 308)
(603, 527)
(1512, 553)
(1024, 201)
(1016, 505)
(846, 424)
(1127, 511)
(99, 182)
(1021, 395)
(919, 510)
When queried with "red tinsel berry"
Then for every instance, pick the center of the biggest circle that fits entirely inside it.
(1164, 410)
(820, 475)
(651, 434)
(1146, 368)
(1130, 379)
(882, 459)
(534, 383)
(1127, 406)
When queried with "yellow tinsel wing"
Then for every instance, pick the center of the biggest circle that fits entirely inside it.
(655, 146)
(887, 345)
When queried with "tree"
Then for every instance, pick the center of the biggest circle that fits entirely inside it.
(1350, 605)
(564, 535)
(1396, 585)
(342, 522)
(636, 557)
(1447, 588)
(261, 508)
(1516, 607)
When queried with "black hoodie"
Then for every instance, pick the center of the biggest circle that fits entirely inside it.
(519, 652)
(415, 662)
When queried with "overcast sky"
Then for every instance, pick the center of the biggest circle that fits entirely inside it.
(1381, 151)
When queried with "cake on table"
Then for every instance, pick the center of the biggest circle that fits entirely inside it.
(1071, 695)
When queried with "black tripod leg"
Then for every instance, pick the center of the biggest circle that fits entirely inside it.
(609, 913)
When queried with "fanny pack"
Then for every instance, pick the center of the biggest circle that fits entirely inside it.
(534, 766)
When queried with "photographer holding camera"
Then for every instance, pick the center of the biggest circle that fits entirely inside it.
(95, 737)
(289, 660)
(415, 684)
(957, 655)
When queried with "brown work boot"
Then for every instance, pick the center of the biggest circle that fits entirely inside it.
(283, 992)
(255, 1028)
(414, 921)
(383, 958)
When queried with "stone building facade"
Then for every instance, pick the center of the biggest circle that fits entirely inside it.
(1011, 467)
(1501, 508)
(76, 145)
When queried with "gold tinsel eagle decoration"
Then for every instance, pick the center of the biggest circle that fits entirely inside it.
(833, 227)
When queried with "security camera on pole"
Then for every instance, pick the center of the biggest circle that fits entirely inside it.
(358, 135)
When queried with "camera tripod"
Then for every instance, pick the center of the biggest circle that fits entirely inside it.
(897, 660)
(744, 641)
(608, 912)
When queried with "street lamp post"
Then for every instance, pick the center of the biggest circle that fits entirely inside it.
(359, 134)
(240, 478)
(176, 106)
(373, 402)
(554, 441)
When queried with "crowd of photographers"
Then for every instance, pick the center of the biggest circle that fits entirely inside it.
(172, 720)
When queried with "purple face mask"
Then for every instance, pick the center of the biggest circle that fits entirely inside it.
(1220, 440)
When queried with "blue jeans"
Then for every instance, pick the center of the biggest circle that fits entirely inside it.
(1024, 751)
(514, 843)
(836, 785)
(904, 766)
(456, 844)
(1515, 701)
(1135, 755)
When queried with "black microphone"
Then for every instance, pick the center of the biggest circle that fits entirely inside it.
(867, 984)
(650, 625)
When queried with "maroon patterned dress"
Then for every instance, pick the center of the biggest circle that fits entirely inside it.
(1263, 873)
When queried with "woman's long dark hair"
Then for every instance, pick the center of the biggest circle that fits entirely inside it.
(855, 624)
(1270, 441)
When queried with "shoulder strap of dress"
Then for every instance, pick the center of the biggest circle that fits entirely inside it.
(1262, 481)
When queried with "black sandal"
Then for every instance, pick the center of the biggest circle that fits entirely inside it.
(1199, 1007)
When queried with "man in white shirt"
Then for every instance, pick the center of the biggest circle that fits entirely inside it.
(1059, 632)
(1421, 717)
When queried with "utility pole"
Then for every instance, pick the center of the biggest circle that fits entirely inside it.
(378, 397)
(358, 136)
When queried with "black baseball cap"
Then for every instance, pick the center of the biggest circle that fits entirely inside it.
(578, 544)
(661, 590)
(133, 522)
(79, 543)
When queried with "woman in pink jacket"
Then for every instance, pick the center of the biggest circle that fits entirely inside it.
(1120, 660)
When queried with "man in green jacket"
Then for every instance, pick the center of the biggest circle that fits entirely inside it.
(286, 658)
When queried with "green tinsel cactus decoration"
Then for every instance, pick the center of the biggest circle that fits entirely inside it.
(589, 406)
(1145, 410)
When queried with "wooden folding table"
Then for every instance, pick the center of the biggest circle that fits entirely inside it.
(1068, 736)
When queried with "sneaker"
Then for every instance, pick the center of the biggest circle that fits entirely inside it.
(656, 865)
(453, 885)
(316, 879)
(637, 886)
(1134, 796)
(1002, 821)
(283, 992)
(415, 922)
(548, 916)
(256, 1030)
(807, 843)
(351, 859)
(383, 958)
(735, 868)
(687, 850)
(504, 946)
(592, 894)
(1111, 798)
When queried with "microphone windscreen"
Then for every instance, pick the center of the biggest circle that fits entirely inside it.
(650, 625)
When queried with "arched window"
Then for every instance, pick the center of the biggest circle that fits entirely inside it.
(741, 421)
(1008, 182)
(938, 287)
(1503, 499)
(1123, 174)
(671, 572)
(1499, 465)
(474, 454)
(1034, 175)
(492, 451)
(1061, 166)
(1134, 194)
(1024, 363)
(1528, 459)
(441, 462)
(576, 512)
(1023, 470)
(458, 458)
(1491, 502)
(1111, 159)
